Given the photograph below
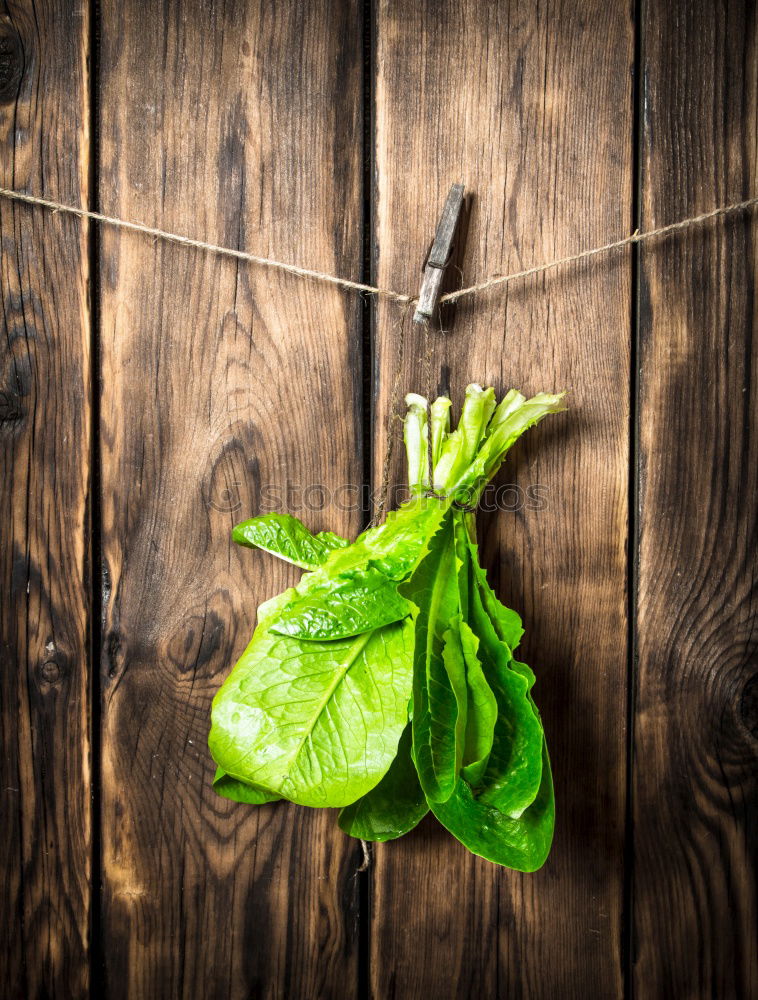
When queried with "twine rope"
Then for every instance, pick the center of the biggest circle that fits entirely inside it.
(636, 237)
(408, 301)
(356, 286)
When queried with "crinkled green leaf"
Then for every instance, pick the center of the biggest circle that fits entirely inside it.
(394, 806)
(434, 590)
(522, 843)
(232, 788)
(482, 710)
(355, 590)
(284, 536)
(395, 547)
(528, 674)
(315, 722)
(514, 768)
(509, 818)
(350, 604)
(455, 665)
(505, 433)
(507, 623)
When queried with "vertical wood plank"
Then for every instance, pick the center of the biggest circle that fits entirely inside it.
(696, 724)
(530, 104)
(227, 390)
(44, 552)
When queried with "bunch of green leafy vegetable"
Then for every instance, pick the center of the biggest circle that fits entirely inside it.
(385, 683)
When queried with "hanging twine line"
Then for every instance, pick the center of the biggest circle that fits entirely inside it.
(384, 293)
(357, 286)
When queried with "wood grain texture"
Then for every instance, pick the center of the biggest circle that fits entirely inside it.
(695, 828)
(226, 391)
(530, 105)
(238, 122)
(45, 551)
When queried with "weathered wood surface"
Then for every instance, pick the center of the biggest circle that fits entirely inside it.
(695, 829)
(511, 98)
(223, 388)
(45, 814)
(218, 382)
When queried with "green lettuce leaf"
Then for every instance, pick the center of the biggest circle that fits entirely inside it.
(416, 437)
(394, 548)
(434, 590)
(232, 788)
(454, 660)
(284, 536)
(315, 722)
(458, 449)
(515, 420)
(514, 768)
(394, 806)
(482, 710)
(350, 604)
(522, 843)
(506, 622)
(355, 589)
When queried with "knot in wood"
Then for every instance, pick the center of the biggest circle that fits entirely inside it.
(50, 672)
(11, 61)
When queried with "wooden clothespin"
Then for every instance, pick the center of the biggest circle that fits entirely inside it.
(439, 256)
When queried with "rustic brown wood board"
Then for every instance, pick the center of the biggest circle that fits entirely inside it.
(153, 395)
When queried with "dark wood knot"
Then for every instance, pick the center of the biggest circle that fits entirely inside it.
(113, 652)
(11, 61)
(52, 671)
(11, 410)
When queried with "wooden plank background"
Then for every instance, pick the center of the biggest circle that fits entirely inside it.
(45, 430)
(696, 722)
(217, 380)
(527, 113)
(153, 395)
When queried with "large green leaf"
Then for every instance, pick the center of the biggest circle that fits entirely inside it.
(394, 806)
(284, 536)
(522, 843)
(454, 659)
(482, 710)
(315, 722)
(355, 590)
(347, 605)
(394, 548)
(514, 768)
(434, 590)
(505, 432)
(507, 623)
(232, 788)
